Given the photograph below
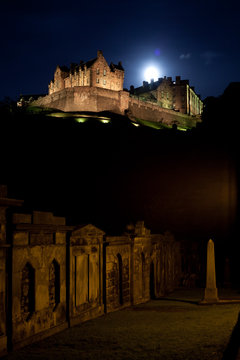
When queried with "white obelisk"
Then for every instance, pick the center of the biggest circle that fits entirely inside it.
(211, 292)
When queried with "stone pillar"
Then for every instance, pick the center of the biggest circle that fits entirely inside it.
(5, 203)
(211, 292)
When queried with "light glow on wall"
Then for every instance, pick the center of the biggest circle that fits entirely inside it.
(81, 120)
(105, 121)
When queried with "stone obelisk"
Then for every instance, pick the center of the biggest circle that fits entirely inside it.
(211, 292)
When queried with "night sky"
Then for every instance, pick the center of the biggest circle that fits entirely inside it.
(198, 40)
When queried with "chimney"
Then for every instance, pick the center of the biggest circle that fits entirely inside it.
(99, 53)
(178, 79)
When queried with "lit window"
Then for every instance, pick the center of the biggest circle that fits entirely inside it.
(97, 81)
(104, 82)
(104, 72)
(97, 71)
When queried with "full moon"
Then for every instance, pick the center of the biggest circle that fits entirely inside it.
(151, 73)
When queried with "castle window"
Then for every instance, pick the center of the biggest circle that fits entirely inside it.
(104, 72)
(162, 94)
(27, 291)
(97, 81)
(104, 82)
(98, 71)
(167, 95)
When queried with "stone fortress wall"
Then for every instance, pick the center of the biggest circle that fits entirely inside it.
(86, 98)
(54, 276)
(97, 99)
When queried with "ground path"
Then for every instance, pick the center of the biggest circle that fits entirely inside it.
(175, 328)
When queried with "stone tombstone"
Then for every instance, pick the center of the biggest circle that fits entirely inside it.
(141, 261)
(86, 274)
(211, 292)
(118, 272)
(38, 276)
(166, 264)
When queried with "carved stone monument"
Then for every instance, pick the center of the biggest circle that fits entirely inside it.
(211, 292)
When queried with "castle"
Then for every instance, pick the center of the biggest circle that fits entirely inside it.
(96, 86)
(176, 95)
(94, 73)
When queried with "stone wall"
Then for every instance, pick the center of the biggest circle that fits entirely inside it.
(96, 99)
(152, 112)
(3, 329)
(86, 99)
(54, 276)
(5, 257)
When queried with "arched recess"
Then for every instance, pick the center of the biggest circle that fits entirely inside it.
(27, 291)
(152, 280)
(54, 284)
(120, 285)
(143, 273)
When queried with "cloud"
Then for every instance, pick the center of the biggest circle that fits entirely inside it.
(209, 56)
(185, 56)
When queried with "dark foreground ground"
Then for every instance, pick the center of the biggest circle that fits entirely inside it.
(173, 328)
